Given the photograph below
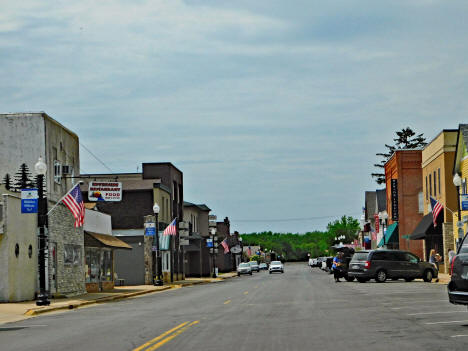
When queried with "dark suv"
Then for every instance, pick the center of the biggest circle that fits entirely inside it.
(458, 286)
(393, 264)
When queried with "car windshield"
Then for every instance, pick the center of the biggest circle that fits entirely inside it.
(360, 256)
(243, 265)
(276, 262)
(253, 263)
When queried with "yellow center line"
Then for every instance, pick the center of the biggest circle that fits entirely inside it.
(226, 302)
(159, 337)
(246, 292)
(169, 338)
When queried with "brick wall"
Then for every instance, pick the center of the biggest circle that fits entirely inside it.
(70, 278)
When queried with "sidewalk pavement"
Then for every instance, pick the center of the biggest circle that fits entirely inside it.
(444, 278)
(13, 312)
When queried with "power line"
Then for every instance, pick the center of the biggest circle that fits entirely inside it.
(101, 162)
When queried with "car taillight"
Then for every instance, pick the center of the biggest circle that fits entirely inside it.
(451, 266)
(367, 264)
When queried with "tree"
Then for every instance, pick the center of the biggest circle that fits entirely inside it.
(347, 226)
(7, 181)
(23, 178)
(406, 139)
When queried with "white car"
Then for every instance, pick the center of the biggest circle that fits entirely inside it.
(276, 266)
(244, 268)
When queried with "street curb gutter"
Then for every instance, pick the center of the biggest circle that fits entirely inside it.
(36, 312)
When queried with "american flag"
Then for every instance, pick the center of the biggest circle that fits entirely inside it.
(171, 228)
(225, 245)
(436, 208)
(74, 201)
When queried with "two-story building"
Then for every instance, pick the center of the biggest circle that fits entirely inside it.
(460, 176)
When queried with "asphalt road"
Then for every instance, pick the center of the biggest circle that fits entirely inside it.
(302, 309)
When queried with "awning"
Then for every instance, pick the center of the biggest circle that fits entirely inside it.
(390, 236)
(423, 228)
(109, 240)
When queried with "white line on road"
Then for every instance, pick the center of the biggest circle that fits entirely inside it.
(446, 322)
(444, 312)
(458, 336)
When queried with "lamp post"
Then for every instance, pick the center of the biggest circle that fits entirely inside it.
(457, 181)
(383, 216)
(213, 239)
(158, 281)
(41, 169)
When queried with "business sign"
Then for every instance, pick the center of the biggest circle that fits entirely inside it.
(209, 242)
(394, 189)
(377, 223)
(29, 200)
(236, 249)
(150, 229)
(105, 191)
(464, 202)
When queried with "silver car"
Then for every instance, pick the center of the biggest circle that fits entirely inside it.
(244, 268)
(254, 266)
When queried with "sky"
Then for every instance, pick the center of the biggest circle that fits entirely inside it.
(273, 110)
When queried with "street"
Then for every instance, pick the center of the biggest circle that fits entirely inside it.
(302, 309)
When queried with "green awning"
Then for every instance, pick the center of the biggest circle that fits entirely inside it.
(390, 236)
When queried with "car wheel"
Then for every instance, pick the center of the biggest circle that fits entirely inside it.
(238, 274)
(361, 280)
(269, 272)
(428, 275)
(381, 276)
(409, 279)
(250, 272)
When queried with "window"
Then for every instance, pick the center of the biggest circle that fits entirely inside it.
(72, 255)
(57, 172)
(427, 190)
(439, 179)
(411, 258)
(435, 182)
(421, 202)
(430, 185)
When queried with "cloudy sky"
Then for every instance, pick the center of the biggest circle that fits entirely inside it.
(273, 110)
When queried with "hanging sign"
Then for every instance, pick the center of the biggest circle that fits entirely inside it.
(394, 194)
(105, 191)
(29, 200)
(464, 202)
(150, 229)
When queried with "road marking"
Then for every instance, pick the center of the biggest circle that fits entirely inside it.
(160, 337)
(458, 336)
(446, 322)
(444, 312)
(246, 292)
(169, 338)
(226, 302)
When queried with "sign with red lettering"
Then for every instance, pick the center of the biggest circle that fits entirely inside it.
(105, 191)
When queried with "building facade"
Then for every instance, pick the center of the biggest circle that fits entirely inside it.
(460, 168)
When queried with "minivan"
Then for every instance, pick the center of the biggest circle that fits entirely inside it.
(394, 264)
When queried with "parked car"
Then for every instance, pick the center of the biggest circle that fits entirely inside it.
(263, 266)
(244, 268)
(276, 266)
(395, 264)
(458, 286)
(254, 266)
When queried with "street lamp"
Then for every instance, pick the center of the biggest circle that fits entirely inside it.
(457, 181)
(213, 239)
(41, 169)
(158, 281)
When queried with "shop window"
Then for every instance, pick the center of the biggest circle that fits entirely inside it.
(92, 264)
(435, 184)
(72, 255)
(106, 265)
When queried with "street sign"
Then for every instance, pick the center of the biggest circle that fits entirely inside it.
(183, 242)
(150, 229)
(209, 243)
(464, 202)
(29, 200)
(105, 191)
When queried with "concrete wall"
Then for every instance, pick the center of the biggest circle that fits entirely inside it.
(18, 275)
(69, 278)
(21, 141)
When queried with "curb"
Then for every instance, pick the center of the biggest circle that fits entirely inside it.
(35, 312)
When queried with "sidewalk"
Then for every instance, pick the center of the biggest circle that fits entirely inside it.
(13, 312)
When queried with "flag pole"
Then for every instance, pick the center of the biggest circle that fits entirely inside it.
(58, 202)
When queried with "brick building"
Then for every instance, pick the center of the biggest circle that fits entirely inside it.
(403, 177)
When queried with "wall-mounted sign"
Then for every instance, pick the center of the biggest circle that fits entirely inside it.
(377, 223)
(464, 202)
(209, 242)
(394, 189)
(105, 191)
(29, 200)
(150, 229)
(236, 249)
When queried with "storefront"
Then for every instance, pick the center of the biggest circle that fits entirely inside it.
(99, 260)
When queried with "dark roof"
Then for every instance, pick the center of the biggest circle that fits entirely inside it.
(202, 207)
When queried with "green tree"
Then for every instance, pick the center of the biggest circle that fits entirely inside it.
(347, 226)
(7, 181)
(405, 139)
